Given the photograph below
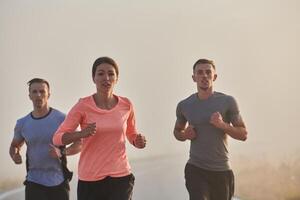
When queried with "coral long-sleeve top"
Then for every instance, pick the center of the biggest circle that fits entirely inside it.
(103, 154)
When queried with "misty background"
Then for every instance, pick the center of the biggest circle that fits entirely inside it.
(255, 45)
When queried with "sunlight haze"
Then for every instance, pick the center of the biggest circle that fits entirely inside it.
(255, 45)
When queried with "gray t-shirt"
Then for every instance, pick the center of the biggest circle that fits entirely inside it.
(38, 133)
(209, 150)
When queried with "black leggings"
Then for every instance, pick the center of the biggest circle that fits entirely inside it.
(110, 188)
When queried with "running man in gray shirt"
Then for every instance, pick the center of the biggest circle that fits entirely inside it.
(206, 118)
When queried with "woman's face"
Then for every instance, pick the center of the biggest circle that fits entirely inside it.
(105, 78)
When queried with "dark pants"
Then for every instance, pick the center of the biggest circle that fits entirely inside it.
(208, 185)
(34, 191)
(110, 188)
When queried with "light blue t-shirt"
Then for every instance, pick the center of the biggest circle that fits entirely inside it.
(38, 133)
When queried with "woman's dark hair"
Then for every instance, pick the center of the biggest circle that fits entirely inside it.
(106, 60)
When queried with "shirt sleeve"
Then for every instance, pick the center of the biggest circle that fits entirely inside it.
(71, 122)
(179, 115)
(18, 131)
(131, 131)
(233, 112)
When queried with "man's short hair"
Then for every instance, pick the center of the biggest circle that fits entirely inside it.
(204, 61)
(38, 80)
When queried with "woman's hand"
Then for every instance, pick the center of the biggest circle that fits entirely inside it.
(140, 141)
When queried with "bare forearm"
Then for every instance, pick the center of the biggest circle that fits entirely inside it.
(238, 133)
(15, 147)
(73, 149)
(183, 132)
(69, 138)
(12, 151)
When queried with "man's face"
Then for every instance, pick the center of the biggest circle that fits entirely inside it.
(204, 75)
(39, 94)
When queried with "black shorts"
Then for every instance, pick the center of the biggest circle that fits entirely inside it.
(110, 188)
(34, 191)
(208, 185)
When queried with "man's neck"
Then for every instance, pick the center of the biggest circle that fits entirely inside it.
(40, 112)
(205, 94)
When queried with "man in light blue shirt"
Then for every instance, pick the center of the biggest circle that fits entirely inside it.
(45, 177)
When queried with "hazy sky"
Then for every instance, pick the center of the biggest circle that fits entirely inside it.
(255, 45)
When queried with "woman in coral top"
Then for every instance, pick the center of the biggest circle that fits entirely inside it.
(105, 120)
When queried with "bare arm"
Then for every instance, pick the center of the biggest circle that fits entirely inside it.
(73, 149)
(237, 130)
(69, 138)
(14, 150)
(182, 133)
